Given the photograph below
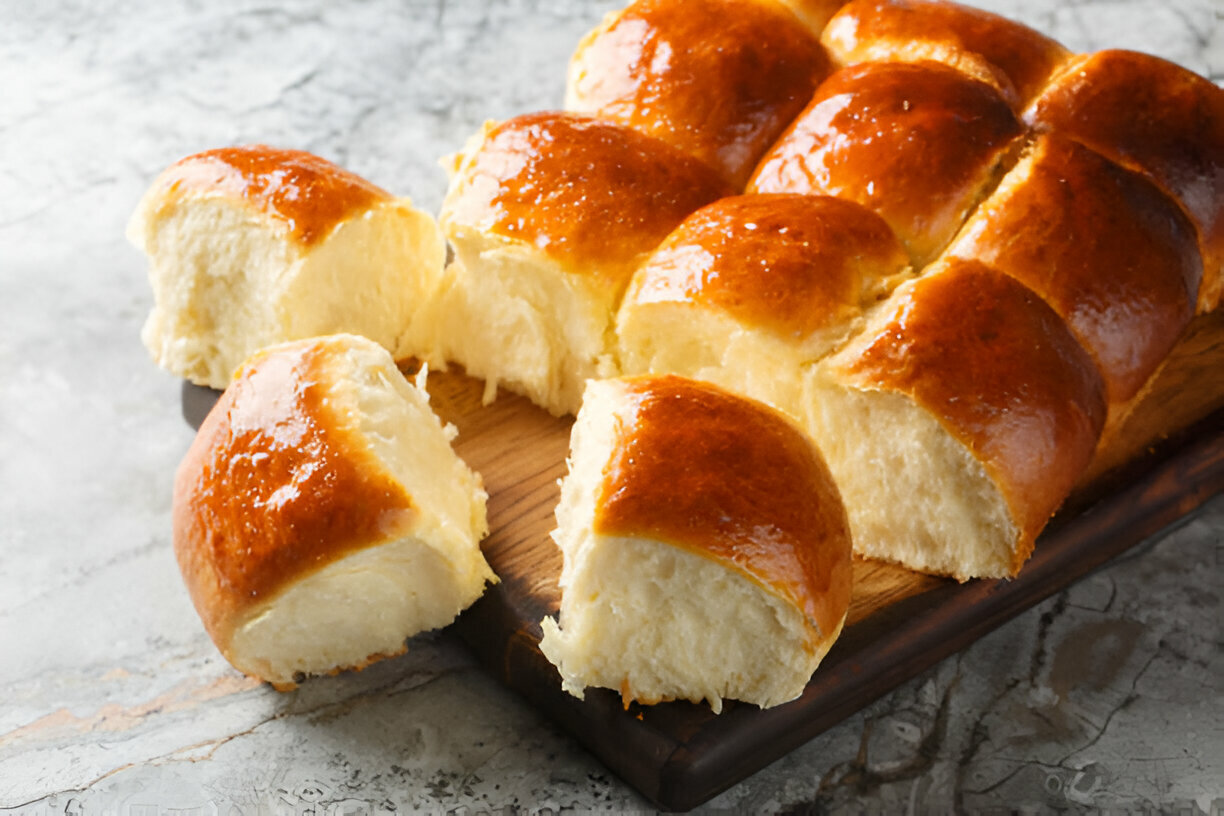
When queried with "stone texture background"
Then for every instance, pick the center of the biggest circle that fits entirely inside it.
(1107, 697)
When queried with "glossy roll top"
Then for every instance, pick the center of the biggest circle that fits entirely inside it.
(309, 194)
(1156, 117)
(1111, 253)
(733, 480)
(718, 79)
(1000, 371)
(790, 265)
(1012, 57)
(273, 488)
(917, 143)
(593, 195)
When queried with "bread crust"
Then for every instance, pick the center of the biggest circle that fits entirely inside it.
(1153, 116)
(594, 195)
(306, 193)
(1111, 253)
(786, 264)
(918, 143)
(1002, 373)
(733, 480)
(275, 486)
(1014, 58)
(718, 79)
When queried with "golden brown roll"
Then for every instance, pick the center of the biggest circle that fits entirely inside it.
(1156, 117)
(918, 143)
(320, 515)
(1111, 253)
(1013, 58)
(250, 246)
(957, 423)
(549, 214)
(748, 289)
(706, 549)
(719, 79)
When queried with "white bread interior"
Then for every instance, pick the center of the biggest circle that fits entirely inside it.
(914, 494)
(513, 316)
(365, 604)
(706, 344)
(228, 279)
(652, 620)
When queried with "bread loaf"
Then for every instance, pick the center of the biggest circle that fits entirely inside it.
(706, 549)
(549, 215)
(250, 246)
(320, 515)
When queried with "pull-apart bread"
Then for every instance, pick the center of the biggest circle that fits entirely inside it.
(320, 515)
(706, 549)
(549, 215)
(750, 288)
(250, 246)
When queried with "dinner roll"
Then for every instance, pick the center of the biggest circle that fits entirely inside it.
(957, 422)
(750, 288)
(549, 214)
(719, 79)
(1155, 117)
(1012, 57)
(1111, 253)
(250, 246)
(919, 143)
(320, 515)
(706, 551)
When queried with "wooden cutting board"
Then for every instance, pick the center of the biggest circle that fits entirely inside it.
(1163, 462)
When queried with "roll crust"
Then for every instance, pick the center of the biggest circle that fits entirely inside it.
(787, 264)
(1158, 118)
(1002, 373)
(721, 91)
(307, 193)
(732, 480)
(918, 143)
(273, 488)
(1014, 58)
(1114, 256)
(594, 195)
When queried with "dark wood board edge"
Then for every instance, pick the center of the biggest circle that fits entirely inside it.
(679, 755)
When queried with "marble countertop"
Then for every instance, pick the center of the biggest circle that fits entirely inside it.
(1110, 695)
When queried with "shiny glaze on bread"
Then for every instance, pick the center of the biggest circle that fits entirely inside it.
(308, 193)
(1002, 373)
(786, 263)
(918, 143)
(594, 195)
(733, 480)
(1013, 57)
(1156, 117)
(273, 487)
(719, 79)
(1111, 253)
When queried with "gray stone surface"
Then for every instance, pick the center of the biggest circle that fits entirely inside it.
(1107, 697)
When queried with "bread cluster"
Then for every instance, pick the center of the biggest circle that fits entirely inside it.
(814, 276)
(953, 251)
